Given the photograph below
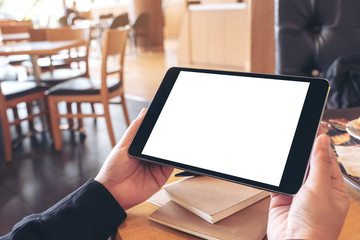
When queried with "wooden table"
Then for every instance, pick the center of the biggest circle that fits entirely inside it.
(137, 225)
(34, 49)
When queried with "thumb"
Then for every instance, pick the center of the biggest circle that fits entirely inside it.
(320, 164)
(132, 129)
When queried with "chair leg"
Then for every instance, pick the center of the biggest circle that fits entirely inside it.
(16, 116)
(80, 120)
(51, 67)
(6, 135)
(29, 111)
(93, 110)
(70, 120)
(46, 118)
(55, 123)
(109, 124)
(125, 111)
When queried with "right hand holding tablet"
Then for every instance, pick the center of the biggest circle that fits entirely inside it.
(319, 209)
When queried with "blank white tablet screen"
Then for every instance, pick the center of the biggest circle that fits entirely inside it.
(235, 125)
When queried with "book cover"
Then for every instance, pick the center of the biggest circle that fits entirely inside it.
(250, 223)
(212, 199)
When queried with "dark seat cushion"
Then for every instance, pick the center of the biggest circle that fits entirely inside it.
(82, 86)
(14, 89)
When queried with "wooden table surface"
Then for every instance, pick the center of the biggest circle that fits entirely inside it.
(137, 225)
(38, 48)
(34, 49)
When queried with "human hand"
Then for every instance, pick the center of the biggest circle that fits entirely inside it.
(319, 209)
(130, 180)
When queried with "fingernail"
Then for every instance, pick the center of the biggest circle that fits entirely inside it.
(327, 142)
(142, 112)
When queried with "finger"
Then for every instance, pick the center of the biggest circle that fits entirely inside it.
(336, 172)
(133, 128)
(140, 117)
(280, 200)
(321, 131)
(320, 163)
(167, 171)
(161, 173)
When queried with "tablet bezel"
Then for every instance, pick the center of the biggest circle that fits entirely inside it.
(297, 162)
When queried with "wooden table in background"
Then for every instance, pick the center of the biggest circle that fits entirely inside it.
(137, 225)
(35, 49)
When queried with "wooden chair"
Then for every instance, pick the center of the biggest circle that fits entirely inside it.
(106, 16)
(141, 29)
(15, 27)
(120, 21)
(86, 90)
(13, 93)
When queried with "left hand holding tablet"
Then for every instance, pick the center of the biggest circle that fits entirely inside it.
(130, 180)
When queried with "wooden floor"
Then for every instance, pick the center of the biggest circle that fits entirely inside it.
(144, 72)
(38, 176)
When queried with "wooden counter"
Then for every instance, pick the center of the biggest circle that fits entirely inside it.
(216, 35)
(237, 36)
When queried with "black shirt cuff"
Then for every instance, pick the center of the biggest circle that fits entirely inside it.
(90, 212)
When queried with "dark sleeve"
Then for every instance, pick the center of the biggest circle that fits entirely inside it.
(90, 212)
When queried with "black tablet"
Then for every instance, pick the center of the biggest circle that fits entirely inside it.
(253, 129)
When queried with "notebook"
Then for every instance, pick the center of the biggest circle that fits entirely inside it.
(212, 199)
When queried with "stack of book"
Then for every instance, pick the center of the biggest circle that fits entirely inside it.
(213, 209)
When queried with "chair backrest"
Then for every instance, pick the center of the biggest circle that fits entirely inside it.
(73, 17)
(114, 43)
(37, 34)
(63, 21)
(59, 34)
(14, 29)
(120, 21)
(11, 26)
(142, 21)
(67, 34)
(106, 16)
(311, 34)
(8, 22)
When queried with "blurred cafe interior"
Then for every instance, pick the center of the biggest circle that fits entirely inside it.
(59, 57)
